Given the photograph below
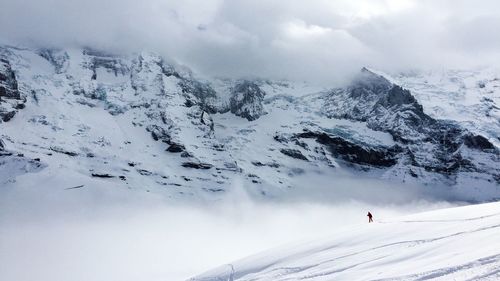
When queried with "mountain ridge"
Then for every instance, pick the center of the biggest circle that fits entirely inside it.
(218, 130)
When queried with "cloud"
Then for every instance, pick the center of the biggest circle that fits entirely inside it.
(134, 235)
(317, 39)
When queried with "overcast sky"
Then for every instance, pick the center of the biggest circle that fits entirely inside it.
(280, 38)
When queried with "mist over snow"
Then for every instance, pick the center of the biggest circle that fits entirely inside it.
(316, 40)
(115, 234)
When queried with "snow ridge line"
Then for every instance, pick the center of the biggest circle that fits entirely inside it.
(494, 259)
(457, 220)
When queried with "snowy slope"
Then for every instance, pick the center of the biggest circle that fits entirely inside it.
(468, 96)
(139, 122)
(449, 244)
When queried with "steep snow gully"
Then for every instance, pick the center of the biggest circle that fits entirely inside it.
(450, 244)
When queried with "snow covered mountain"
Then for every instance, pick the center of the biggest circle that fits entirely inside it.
(449, 244)
(140, 122)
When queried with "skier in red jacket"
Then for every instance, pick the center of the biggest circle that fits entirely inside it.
(369, 217)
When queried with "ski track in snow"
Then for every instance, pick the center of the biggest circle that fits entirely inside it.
(491, 261)
(410, 248)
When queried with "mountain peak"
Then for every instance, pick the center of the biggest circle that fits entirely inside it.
(190, 126)
(369, 79)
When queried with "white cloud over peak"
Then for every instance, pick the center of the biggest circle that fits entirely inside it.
(317, 39)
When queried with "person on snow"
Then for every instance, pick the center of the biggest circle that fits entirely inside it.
(370, 217)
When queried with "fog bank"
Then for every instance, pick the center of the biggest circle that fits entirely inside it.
(129, 236)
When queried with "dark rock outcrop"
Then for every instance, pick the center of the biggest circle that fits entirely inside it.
(197, 165)
(294, 153)
(202, 91)
(186, 154)
(63, 151)
(269, 164)
(478, 142)
(7, 115)
(159, 133)
(10, 96)
(98, 175)
(8, 83)
(144, 172)
(246, 100)
(354, 152)
(176, 148)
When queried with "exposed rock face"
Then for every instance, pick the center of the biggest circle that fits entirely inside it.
(372, 124)
(97, 175)
(186, 154)
(434, 145)
(63, 151)
(196, 92)
(197, 165)
(8, 83)
(7, 115)
(159, 133)
(354, 152)
(202, 91)
(10, 96)
(373, 99)
(294, 153)
(106, 61)
(58, 58)
(478, 142)
(246, 100)
(176, 148)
